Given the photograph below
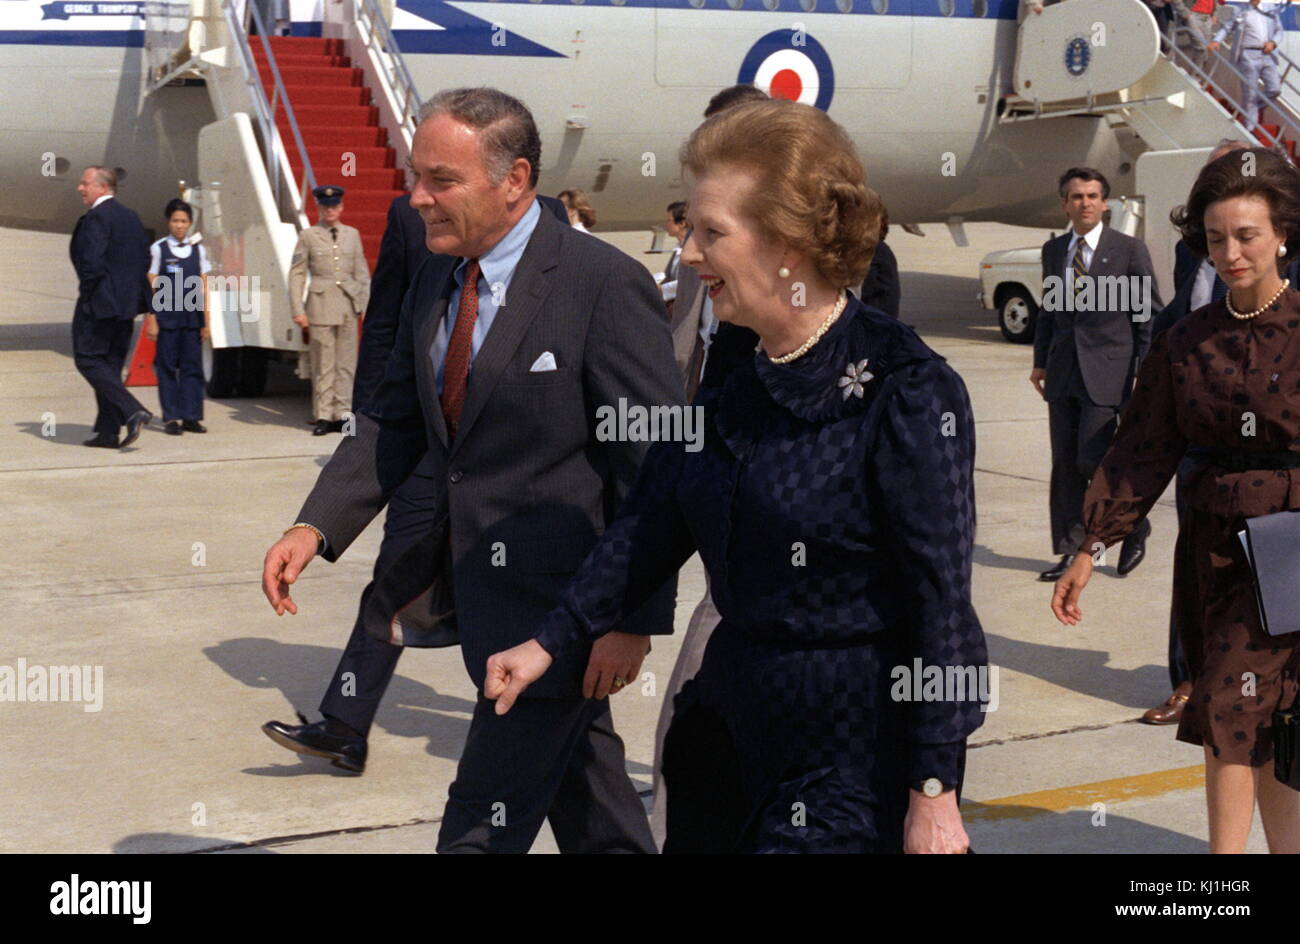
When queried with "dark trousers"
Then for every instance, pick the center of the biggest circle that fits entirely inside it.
(178, 364)
(548, 758)
(99, 350)
(367, 664)
(1081, 432)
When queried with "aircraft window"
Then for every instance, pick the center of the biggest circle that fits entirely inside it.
(980, 7)
(736, 4)
(947, 7)
(846, 6)
(772, 4)
(880, 6)
(808, 5)
(697, 3)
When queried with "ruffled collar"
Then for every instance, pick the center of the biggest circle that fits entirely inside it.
(840, 373)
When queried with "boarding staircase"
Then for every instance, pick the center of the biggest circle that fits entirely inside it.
(293, 113)
(1107, 59)
(339, 125)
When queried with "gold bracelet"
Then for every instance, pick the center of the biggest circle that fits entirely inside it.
(320, 538)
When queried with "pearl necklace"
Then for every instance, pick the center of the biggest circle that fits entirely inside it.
(1247, 315)
(803, 349)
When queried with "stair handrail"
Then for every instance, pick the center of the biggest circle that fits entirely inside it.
(276, 155)
(308, 174)
(1283, 79)
(1288, 120)
(379, 37)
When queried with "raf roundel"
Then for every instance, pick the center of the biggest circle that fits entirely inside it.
(790, 64)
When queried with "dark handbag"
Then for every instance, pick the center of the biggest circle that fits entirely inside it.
(1272, 545)
(1286, 759)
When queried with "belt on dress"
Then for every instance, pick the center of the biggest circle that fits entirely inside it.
(1234, 460)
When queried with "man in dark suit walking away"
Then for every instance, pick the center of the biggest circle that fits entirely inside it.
(880, 289)
(366, 667)
(110, 252)
(1094, 328)
(555, 324)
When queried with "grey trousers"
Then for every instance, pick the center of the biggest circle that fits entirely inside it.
(704, 621)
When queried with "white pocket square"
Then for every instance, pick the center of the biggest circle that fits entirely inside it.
(545, 362)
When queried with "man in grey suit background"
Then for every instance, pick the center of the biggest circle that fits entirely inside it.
(1087, 348)
(555, 324)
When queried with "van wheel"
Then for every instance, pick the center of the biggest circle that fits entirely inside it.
(252, 372)
(1017, 316)
(220, 370)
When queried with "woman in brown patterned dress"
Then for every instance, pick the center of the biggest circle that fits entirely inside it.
(1223, 385)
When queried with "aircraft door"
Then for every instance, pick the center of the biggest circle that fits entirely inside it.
(1084, 47)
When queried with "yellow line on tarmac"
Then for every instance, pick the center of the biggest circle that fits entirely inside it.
(1084, 795)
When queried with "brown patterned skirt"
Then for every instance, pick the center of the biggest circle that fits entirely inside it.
(1240, 673)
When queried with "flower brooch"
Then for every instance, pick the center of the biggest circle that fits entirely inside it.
(855, 375)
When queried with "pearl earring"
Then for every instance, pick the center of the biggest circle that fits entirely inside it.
(783, 272)
(1281, 250)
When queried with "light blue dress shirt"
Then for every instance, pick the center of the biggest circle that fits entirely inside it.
(497, 268)
(1257, 26)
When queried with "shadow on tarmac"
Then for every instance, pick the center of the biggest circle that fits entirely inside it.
(1082, 670)
(144, 843)
(410, 708)
(1027, 829)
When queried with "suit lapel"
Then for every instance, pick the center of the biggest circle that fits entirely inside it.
(528, 290)
(686, 324)
(1101, 255)
(425, 333)
(1061, 256)
(76, 231)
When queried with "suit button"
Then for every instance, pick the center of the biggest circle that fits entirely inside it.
(455, 476)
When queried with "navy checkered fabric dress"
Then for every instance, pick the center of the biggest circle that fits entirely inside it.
(838, 532)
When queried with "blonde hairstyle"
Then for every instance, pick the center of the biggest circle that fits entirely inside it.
(811, 190)
(577, 200)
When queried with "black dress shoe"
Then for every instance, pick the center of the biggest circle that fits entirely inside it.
(327, 738)
(134, 423)
(337, 426)
(173, 428)
(1053, 575)
(193, 426)
(102, 442)
(322, 428)
(1133, 549)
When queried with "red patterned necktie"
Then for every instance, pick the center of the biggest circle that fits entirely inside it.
(455, 369)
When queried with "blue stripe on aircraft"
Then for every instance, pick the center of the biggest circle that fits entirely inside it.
(462, 34)
(466, 34)
(130, 39)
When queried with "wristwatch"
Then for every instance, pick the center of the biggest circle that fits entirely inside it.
(932, 787)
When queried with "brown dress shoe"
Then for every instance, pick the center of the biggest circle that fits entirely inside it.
(1172, 709)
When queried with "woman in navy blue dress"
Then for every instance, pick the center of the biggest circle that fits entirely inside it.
(832, 504)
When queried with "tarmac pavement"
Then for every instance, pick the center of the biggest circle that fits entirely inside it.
(147, 563)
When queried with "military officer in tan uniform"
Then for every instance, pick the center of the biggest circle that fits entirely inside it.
(335, 298)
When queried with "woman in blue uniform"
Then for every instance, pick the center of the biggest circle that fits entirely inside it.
(178, 274)
(833, 506)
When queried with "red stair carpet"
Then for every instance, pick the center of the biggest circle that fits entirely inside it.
(335, 117)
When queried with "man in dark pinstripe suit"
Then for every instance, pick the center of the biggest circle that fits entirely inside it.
(559, 324)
